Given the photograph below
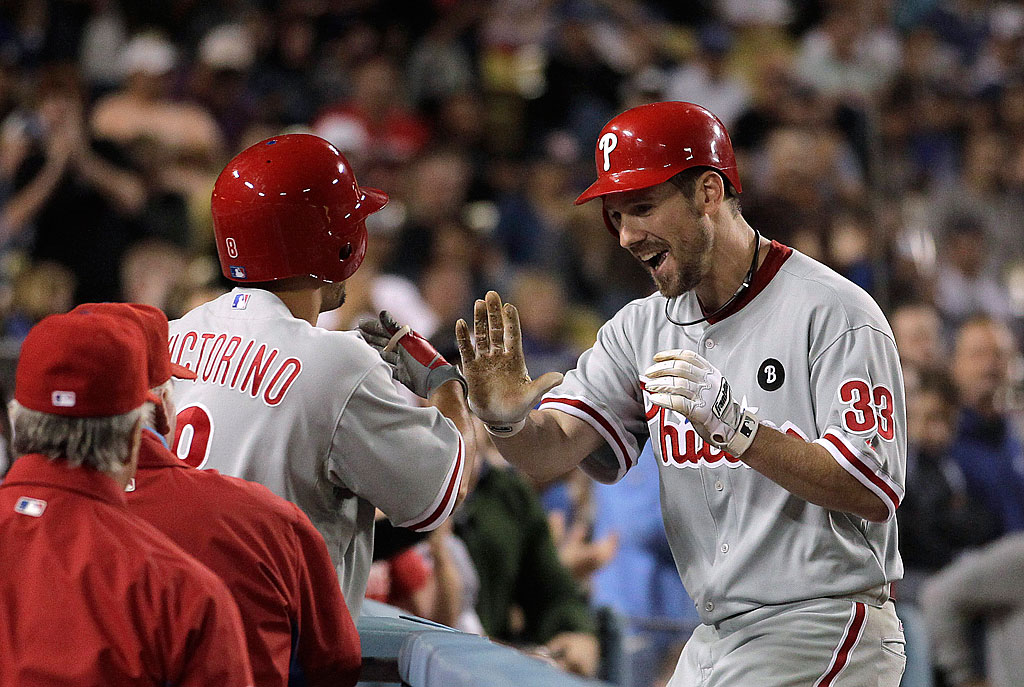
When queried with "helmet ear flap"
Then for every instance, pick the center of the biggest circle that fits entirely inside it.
(608, 224)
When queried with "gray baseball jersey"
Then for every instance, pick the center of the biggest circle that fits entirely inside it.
(812, 354)
(314, 416)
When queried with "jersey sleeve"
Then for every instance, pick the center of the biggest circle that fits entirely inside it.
(860, 411)
(604, 391)
(327, 647)
(406, 460)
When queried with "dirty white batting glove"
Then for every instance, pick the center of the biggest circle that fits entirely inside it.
(414, 361)
(685, 382)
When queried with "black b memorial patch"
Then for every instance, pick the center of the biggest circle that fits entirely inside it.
(771, 374)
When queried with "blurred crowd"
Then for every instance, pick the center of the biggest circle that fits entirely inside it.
(882, 137)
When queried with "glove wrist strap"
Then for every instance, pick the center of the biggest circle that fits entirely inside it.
(396, 337)
(505, 429)
(443, 374)
(746, 430)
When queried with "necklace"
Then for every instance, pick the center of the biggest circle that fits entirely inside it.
(747, 281)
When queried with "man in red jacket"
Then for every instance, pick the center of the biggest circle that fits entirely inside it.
(267, 551)
(91, 594)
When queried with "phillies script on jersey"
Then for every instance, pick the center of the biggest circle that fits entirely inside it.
(247, 366)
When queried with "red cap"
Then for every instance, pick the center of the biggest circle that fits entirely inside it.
(81, 365)
(153, 324)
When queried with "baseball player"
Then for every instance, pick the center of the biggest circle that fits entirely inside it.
(771, 390)
(92, 595)
(294, 616)
(313, 414)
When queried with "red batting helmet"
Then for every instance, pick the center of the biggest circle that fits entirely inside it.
(649, 144)
(290, 206)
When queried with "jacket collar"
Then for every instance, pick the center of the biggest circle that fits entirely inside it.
(153, 453)
(37, 470)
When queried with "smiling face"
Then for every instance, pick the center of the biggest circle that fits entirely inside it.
(662, 229)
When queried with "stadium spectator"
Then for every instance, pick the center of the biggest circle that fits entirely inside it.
(79, 571)
(982, 586)
(919, 338)
(986, 446)
(967, 283)
(430, 207)
(706, 78)
(74, 196)
(434, 579)
(506, 532)
(374, 124)
(545, 318)
(939, 519)
(144, 109)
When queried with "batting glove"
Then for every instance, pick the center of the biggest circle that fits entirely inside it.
(414, 361)
(686, 383)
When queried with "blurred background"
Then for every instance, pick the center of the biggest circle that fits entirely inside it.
(882, 137)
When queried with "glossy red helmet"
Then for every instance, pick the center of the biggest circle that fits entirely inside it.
(648, 145)
(290, 206)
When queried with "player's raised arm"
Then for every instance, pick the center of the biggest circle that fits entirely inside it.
(543, 443)
(420, 368)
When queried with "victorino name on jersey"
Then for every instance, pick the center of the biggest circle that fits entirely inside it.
(247, 366)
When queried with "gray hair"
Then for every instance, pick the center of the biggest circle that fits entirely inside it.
(149, 408)
(101, 443)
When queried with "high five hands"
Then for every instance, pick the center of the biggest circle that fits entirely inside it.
(501, 392)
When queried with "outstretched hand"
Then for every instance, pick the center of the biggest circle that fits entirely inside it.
(501, 392)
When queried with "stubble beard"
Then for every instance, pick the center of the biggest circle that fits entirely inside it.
(694, 263)
(332, 296)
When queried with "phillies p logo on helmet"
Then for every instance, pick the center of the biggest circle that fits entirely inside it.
(607, 144)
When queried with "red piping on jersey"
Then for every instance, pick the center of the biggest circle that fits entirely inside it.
(576, 403)
(432, 518)
(776, 255)
(864, 469)
(846, 645)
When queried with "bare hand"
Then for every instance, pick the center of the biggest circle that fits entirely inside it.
(500, 388)
(581, 556)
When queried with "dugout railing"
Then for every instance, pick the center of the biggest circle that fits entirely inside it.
(405, 651)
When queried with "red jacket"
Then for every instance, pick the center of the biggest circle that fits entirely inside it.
(91, 595)
(272, 558)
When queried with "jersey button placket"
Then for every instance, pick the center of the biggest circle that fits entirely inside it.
(709, 344)
(709, 606)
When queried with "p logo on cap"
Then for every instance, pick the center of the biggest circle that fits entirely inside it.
(63, 399)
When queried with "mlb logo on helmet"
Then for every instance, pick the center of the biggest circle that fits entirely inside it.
(29, 506)
(63, 399)
(237, 272)
(240, 301)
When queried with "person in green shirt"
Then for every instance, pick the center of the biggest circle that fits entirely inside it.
(506, 532)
